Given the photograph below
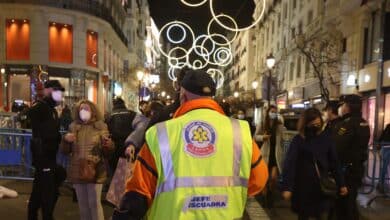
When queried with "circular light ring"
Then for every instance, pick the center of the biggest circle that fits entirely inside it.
(217, 76)
(171, 73)
(182, 29)
(206, 56)
(217, 43)
(217, 55)
(193, 4)
(185, 56)
(231, 19)
(166, 26)
(195, 45)
(201, 66)
(236, 29)
(224, 62)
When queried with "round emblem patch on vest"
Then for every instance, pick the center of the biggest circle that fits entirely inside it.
(199, 138)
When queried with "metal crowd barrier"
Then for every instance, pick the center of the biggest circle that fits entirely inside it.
(380, 170)
(15, 154)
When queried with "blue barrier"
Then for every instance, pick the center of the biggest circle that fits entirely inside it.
(15, 154)
(384, 177)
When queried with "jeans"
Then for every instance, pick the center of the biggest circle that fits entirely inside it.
(88, 196)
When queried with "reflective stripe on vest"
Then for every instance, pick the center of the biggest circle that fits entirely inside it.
(171, 182)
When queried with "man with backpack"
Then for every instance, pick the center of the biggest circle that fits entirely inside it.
(127, 128)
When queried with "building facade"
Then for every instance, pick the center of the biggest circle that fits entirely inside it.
(92, 47)
(324, 44)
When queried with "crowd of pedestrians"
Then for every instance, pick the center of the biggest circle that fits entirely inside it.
(195, 158)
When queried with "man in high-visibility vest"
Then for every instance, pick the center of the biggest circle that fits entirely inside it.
(199, 165)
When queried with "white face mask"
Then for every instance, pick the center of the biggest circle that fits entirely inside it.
(85, 115)
(241, 116)
(57, 95)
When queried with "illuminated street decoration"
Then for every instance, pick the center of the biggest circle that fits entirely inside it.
(211, 49)
(236, 29)
(193, 4)
(217, 76)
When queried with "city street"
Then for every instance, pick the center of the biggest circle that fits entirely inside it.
(67, 209)
(185, 107)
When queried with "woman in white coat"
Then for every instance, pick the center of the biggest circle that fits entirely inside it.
(269, 133)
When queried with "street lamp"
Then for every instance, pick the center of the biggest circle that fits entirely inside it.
(255, 84)
(270, 64)
(236, 94)
(163, 93)
(2, 70)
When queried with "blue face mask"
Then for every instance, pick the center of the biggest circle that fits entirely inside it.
(273, 115)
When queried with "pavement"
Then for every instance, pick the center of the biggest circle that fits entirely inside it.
(15, 209)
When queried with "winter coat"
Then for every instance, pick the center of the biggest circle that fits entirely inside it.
(265, 148)
(87, 146)
(300, 177)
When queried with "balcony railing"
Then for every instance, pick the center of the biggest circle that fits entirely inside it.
(90, 7)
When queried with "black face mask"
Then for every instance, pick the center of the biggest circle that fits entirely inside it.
(311, 131)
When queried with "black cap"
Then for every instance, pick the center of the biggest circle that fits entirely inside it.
(54, 84)
(351, 99)
(199, 82)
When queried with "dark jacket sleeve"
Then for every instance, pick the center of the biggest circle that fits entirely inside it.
(334, 165)
(290, 162)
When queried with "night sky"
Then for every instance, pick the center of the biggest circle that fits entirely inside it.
(164, 11)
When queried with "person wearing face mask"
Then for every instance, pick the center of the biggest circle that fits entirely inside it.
(269, 133)
(88, 142)
(242, 116)
(45, 141)
(331, 116)
(300, 179)
(352, 135)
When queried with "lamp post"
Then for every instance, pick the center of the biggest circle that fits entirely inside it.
(270, 64)
(140, 76)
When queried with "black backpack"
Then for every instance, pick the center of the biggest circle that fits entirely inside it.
(120, 124)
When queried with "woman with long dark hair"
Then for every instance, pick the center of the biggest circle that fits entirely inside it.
(301, 182)
(269, 133)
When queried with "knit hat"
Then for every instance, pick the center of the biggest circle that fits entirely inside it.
(199, 82)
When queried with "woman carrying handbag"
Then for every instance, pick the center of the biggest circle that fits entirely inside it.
(89, 144)
(310, 157)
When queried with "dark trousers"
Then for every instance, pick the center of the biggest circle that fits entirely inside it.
(44, 195)
(346, 207)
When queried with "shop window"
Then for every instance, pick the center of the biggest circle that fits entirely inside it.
(92, 48)
(368, 113)
(17, 88)
(18, 39)
(91, 89)
(60, 43)
(387, 109)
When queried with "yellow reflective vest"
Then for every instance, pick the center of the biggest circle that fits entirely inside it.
(203, 161)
